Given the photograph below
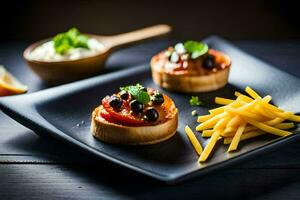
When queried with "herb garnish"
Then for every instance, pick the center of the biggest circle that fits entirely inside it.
(195, 101)
(196, 49)
(69, 40)
(138, 92)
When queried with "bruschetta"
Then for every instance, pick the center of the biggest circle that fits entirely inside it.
(135, 115)
(190, 67)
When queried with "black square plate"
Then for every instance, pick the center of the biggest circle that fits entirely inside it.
(64, 112)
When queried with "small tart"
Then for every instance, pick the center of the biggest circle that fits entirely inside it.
(189, 75)
(121, 126)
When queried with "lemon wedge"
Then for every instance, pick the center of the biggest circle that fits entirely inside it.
(9, 85)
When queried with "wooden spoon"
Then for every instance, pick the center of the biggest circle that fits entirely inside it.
(55, 72)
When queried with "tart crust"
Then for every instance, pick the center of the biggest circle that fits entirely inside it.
(190, 82)
(132, 135)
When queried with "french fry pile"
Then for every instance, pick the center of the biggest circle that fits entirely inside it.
(240, 119)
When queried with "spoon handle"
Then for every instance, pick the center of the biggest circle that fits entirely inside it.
(137, 35)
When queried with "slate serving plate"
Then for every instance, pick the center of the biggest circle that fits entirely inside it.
(64, 112)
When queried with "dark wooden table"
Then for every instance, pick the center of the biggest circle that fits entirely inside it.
(34, 167)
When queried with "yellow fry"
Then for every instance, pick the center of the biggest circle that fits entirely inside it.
(284, 115)
(267, 128)
(245, 136)
(221, 109)
(228, 134)
(245, 98)
(204, 118)
(197, 146)
(217, 111)
(236, 138)
(227, 140)
(209, 123)
(275, 121)
(252, 93)
(248, 105)
(249, 128)
(266, 99)
(295, 118)
(272, 107)
(278, 113)
(264, 112)
(237, 94)
(246, 114)
(287, 115)
(234, 122)
(209, 147)
(285, 125)
(221, 124)
(277, 110)
(229, 130)
(223, 101)
(207, 133)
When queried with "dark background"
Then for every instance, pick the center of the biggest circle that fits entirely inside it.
(233, 19)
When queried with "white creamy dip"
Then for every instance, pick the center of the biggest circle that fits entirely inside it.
(46, 52)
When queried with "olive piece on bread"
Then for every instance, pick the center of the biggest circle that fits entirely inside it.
(158, 98)
(151, 115)
(115, 102)
(124, 95)
(209, 62)
(136, 106)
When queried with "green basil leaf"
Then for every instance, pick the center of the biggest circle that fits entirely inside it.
(137, 92)
(143, 97)
(196, 49)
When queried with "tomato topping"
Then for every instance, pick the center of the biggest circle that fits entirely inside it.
(220, 57)
(123, 115)
(105, 115)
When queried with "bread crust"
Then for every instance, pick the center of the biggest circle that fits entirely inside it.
(132, 135)
(190, 84)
